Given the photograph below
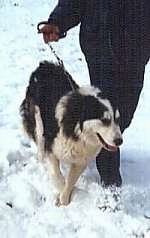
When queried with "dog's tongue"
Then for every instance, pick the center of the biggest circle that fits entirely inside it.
(105, 145)
(112, 148)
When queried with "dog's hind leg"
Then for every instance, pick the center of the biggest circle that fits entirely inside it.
(56, 174)
(39, 134)
(73, 175)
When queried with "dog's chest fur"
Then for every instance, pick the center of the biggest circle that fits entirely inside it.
(80, 151)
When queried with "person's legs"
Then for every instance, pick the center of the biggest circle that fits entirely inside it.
(123, 84)
(108, 165)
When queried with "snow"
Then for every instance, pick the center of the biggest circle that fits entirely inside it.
(27, 195)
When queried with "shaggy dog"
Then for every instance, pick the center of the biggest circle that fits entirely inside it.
(69, 124)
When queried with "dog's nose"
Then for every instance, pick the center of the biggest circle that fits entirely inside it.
(118, 141)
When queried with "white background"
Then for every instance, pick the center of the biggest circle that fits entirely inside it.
(25, 183)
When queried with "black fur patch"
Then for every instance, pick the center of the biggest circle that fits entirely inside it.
(112, 100)
(73, 114)
(48, 83)
(92, 109)
(79, 109)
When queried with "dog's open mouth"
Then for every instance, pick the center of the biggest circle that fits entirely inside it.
(105, 145)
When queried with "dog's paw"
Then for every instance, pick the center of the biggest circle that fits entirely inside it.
(62, 200)
(57, 202)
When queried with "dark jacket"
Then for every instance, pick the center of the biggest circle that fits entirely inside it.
(101, 19)
(115, 39)
(91, 14)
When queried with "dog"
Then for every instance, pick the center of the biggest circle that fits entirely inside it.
(69, 124)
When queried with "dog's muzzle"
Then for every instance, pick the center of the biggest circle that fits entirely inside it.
(108, 147)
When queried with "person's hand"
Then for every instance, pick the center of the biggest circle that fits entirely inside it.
(50, 32)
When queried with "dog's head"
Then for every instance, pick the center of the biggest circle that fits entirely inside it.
(87, 112)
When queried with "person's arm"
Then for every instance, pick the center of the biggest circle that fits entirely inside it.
(66, 15)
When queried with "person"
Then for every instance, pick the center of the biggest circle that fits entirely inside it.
(115, 40)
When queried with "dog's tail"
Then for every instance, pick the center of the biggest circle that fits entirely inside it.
(27, 109)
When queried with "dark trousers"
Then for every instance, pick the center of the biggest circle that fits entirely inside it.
(117, 68)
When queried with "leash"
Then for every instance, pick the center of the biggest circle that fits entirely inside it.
(59, 60)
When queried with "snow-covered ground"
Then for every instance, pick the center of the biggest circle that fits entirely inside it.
(27, 195)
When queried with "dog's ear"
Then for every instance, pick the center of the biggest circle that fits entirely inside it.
(72, 115)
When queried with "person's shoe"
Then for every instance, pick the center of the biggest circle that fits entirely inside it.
(109, 181)
(110, 199)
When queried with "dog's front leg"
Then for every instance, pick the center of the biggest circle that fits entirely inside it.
(72, 177)
(56, 173)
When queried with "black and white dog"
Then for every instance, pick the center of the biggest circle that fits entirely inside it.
(70, 126)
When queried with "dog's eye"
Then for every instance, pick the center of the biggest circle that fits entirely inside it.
(106, 121)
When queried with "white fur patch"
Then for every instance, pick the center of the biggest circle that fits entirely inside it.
(61, 108)
(89, 90)
(39, 133)
(117, 114)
